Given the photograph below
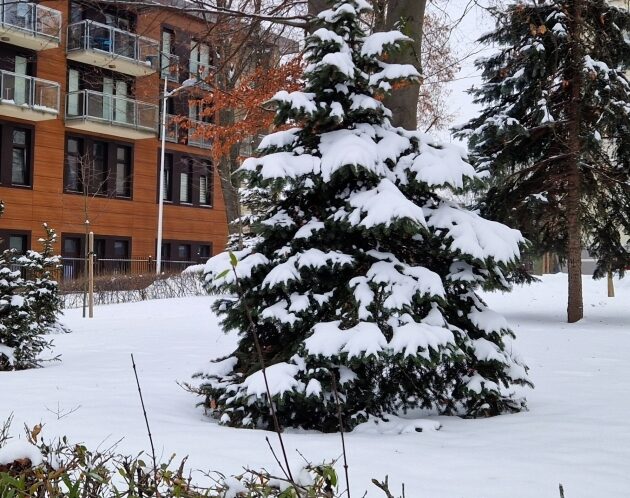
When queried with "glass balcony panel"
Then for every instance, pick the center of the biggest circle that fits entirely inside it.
(77, 36)
(147, 115)
(124, 44)
(33, 20)
(28, 91)
(45, 95)
(148, 52)
(111, 109)
(91, 35)
(19, 14)
(48, 21)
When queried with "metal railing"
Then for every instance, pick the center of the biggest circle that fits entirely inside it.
(180, 129)
(92, 35)
(33, 18)
(112, 109)
(170, 67)
(27, 91)
(74, 268)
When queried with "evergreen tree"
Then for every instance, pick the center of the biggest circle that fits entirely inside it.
(554, 133)
(361, 276)
(29, 304)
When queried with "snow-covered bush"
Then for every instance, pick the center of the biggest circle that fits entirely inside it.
(29, 304)
(362, 277)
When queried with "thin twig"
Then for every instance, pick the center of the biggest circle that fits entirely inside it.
(343, 440)
(146, 419)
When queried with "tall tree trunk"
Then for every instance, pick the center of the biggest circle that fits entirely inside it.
(314, 8)
(408, 16)
(575, 307)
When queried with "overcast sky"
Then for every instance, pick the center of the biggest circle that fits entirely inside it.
(475, 22)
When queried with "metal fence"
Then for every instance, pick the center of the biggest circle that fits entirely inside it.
(75, 268)
(31, 17)
(28, 91)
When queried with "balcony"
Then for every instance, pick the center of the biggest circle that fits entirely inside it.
(27, 97)
(104, 46)
(98, 112)
(30, 25)
(182, 130)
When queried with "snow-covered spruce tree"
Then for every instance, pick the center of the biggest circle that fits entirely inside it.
(29, 304)
(554, 134)
(362, 271)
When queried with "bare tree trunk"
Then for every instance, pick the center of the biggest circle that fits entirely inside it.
(575, 306)
(314, 8)
(408, 16)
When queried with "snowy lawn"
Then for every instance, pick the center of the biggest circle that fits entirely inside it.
(576, 432)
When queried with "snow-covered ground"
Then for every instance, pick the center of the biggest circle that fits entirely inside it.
(576, 432)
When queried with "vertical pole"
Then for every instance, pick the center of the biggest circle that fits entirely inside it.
(158, 250)
(611, 285)
(91, 274)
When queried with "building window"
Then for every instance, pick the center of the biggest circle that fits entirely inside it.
(199, 64)
(106, 169)
(121, 249)
(180, 251)
(18, 243)
(16, 157)
(204, 252)
(187, 179)
(205, 183)
(123, 171)
(108, 253)
(19, 160)
(185, 182)
(18, 240)
(168, 64)
(74, 153)
(98, 170)
(168, 177)
(183, 252)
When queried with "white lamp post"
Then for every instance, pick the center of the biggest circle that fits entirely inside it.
(190, 82)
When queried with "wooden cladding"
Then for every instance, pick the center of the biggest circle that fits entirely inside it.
(47, 198)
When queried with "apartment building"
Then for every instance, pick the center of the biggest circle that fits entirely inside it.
(80, 90)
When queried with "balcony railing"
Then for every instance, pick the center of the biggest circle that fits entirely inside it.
(100, 107)
(170, 67)
(97, 37)
(183, 130)
(28, 92)
(35, 19)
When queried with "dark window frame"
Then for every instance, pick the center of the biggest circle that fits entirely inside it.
(6, 154)
(170, 248)
(198, 166)
(5, 233)
(111, 164)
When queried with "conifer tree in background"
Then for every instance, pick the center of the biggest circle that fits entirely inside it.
(554, 134)
(362, 272)
(29, 304)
